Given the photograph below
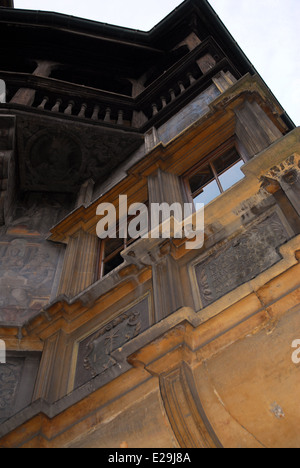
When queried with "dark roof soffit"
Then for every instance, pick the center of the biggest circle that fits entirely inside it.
(141, 38)
(86, 26)
(110, 32)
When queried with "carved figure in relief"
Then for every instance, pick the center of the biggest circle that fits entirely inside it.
(14, 256)
(39, 217)
(241, 260)
(8, 384)
(54, 156)
(108, 339)
(26, 271)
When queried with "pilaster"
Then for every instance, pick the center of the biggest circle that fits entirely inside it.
(164, 187)
(80, 265)
(254, 129)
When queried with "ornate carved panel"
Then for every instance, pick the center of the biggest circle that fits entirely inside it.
(241, 260)
(95, 352)
(56, 155)
(17, 380)
(36, 213)
(10, 375)
(27, 272)
(71, 153)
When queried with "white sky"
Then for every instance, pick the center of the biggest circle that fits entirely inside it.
(266, 30)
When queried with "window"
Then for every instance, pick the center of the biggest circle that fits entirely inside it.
(110, 251)
(216, 176)
(110, 254)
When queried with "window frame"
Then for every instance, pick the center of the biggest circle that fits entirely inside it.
(102, 260)
(229, 145)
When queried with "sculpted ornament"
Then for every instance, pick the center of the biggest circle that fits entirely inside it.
(108, 339)
(241, 260)
(26, 271)
(54, 158)
(9, 378)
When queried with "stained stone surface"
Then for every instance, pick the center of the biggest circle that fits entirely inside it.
(29, 264)
(241, 260)
(17, 380)
(58, 156)
(27, 273)
(94, 354)
(188, 115)
(43, 164)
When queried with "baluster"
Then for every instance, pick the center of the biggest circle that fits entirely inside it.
(154, 109)
(69, 109)
(120, 117)
(107, 117)
(82, 111)
(43, 103)
(181, 86)
(172, 94)
(57, 105)
(95, 115)
(191, 78)
(164, 101)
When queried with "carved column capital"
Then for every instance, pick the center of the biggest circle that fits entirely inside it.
(286, 175)
(287, 171)
(254, 129)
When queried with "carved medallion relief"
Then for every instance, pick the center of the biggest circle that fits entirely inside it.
(59, 156)
(55, 157)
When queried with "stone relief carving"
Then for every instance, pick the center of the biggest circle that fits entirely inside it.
(17, 381)
(123, 329)
(27, 271)
(241, 260)
(95, 352)
(10, 375)
(38, 213)
(54, 155)
(290, 168)
(59, 156)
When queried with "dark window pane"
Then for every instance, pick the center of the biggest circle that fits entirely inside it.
(112, 245)
(200, 179)
(112, 264)
(225, 161)
(231, 176)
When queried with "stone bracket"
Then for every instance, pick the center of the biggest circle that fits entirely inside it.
(286, 176)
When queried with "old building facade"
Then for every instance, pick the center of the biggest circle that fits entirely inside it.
(142, 342)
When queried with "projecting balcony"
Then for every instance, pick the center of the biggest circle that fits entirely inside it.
(69, 133)
(165, 95)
